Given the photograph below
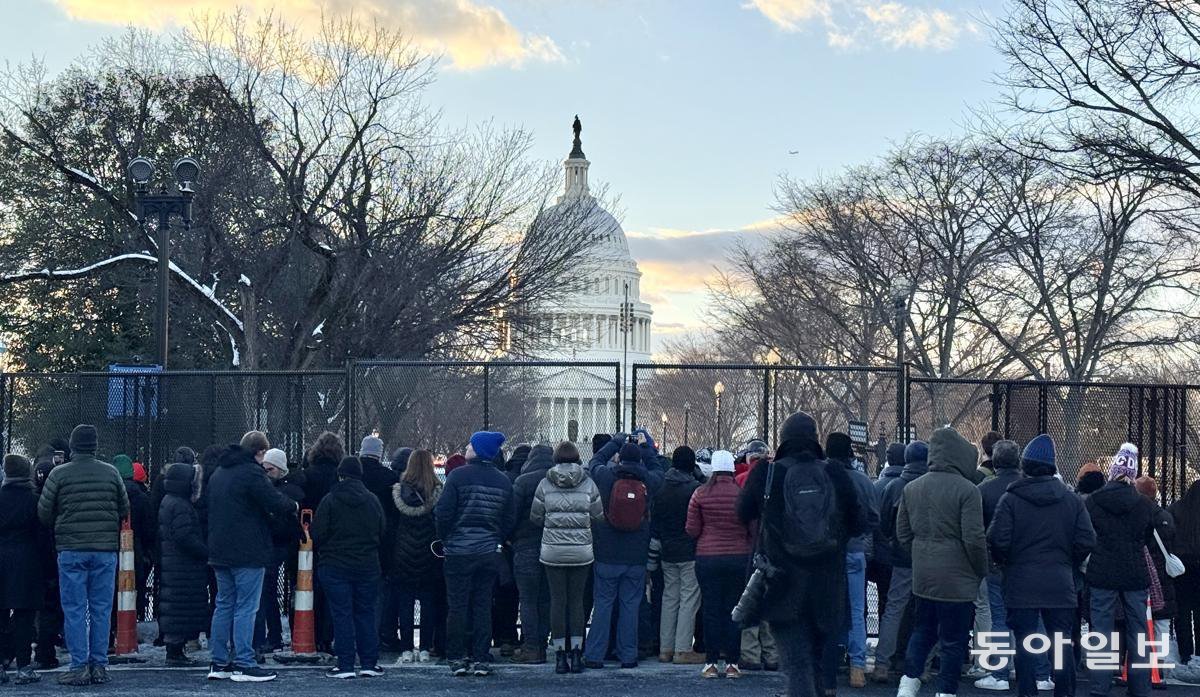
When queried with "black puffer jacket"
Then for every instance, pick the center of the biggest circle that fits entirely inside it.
(23, 581)
(889, 505)
(348, 528)
(670, 517)
(413, 561)
(1039, 535)
(539, 461)
(241, 503)
(183, 589)
(1123, 520)
(475, 513)
(143, 523)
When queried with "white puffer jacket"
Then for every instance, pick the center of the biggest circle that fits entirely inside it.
(564, 505)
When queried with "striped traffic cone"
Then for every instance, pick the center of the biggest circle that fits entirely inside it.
(304, 639)
(127, 638)
(1155, 675)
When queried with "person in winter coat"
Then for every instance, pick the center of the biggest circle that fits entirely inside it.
(916, 455)
(566, 504)
(722, 557)
(241, 504)
(759, 651)
(23, 582)
(986, 470)
(1186, 513)
(285, 539)
(677, 557)
(1116, 571)
(85, 500)
(839, 450)
(879, 565)
(619, 572)
(183, 588)
(50, 617)
(474, 516)
(320, 474)
(1163, 603)
(347, 530)
(940, 523)
(1039, 534)
(379, 480)
(416, 570)
(144, 525)
(534, 592)
(806, 604)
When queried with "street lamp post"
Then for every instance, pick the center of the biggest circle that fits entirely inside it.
(900, 292)
(687, 414)
(164, 205)
(718, 390)
(773, 359)
(664, 431)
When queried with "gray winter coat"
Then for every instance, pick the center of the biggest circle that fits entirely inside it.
(565, 504)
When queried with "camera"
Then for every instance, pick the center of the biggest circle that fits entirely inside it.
(748, 610)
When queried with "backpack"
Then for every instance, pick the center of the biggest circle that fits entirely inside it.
(812, 518)
(627, 507)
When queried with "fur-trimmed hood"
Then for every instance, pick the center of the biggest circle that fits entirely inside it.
(411, 502)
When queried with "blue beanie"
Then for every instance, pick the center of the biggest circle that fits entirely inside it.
(486, 444)
(917, 451)
(1038, 458)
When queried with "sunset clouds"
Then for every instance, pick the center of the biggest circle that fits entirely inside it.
(858, 23)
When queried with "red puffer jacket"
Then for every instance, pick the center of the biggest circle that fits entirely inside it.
(712, 519)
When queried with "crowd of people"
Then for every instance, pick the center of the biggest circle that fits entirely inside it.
(630, 555)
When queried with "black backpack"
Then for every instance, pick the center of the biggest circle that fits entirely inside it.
(813, 525)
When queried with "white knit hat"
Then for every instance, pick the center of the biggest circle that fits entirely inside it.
(277, 459)
(722, 461)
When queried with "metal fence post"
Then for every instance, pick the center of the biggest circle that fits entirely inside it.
(620, 388)
(996, 406)
(1042, 408)
(351, 382)
(487, 389)
(1153, 433)
(1008, 410)
(907, 413)
(766, 405)
(5, 390)
(633, 382)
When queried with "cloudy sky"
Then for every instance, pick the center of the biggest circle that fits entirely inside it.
(692, 109)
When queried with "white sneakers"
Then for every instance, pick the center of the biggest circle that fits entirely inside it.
(991, 682)
(908, 687)
(405, 657)
(424, 657)
(1045, 685)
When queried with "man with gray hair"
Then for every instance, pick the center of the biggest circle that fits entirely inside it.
(1006, 463)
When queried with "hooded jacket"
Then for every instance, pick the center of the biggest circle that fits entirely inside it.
(894, 553)
(84, 501)
(25, 565)
(540, 459)
(670, 516)
(614, 546)
(241, 503)
(348, 528)
(565, 505)
(414, 563)
(475, 513)
(1123, 520)
(1039, 535)
(940, 523)
(183, 568)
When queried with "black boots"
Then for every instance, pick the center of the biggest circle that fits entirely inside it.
(576, 660)
(560, 662)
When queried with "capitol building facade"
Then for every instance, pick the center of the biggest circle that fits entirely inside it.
(605, 320)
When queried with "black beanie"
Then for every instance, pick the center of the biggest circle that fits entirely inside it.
(684, 459)
(838, 445)
(84, 439)
(599, 441)
(16, 467)
(350, 467)
(799, 426)
(895, 455)
(185, 455)
(630, 452)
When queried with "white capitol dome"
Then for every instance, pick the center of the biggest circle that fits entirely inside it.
(588, 326)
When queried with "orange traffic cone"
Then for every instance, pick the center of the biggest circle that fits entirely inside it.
(1155, 675)
(127, 639)
(304, 635)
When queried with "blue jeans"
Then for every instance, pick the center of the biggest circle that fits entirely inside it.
(1104, 620)
(856, 639)
(936, 621)
(616, 583)
(238, 592)
(1000, 623)
(351, 596)
(87, 583)
(1046, 622)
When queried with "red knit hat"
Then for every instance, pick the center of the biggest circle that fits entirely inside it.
(139, 472)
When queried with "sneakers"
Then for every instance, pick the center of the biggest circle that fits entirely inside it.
(424, 657)
(252, 674)
(710, 671)
(858, 677)
(370, 672)
(908, 687)
(690, 658)
(991, 682)
(629, 666)
(216, 672)
(405, 657)
(666, 656)
(732, 671)
(26, 676)
(341, 673)
(481, 669)
(460, 668)
(99, 675)
(1046, 685)
(76, 678)
(977, 671)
